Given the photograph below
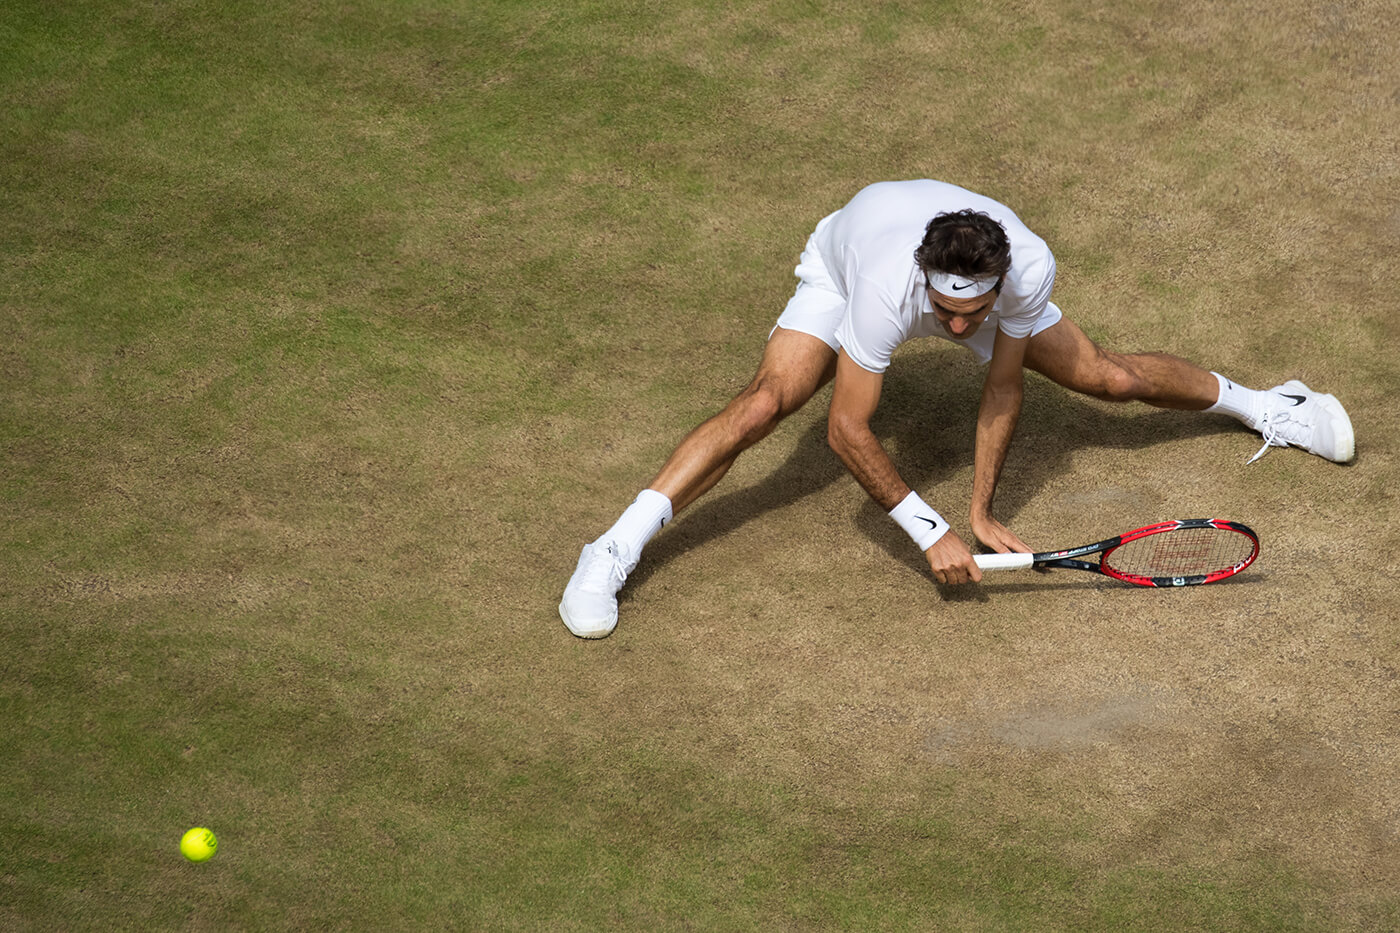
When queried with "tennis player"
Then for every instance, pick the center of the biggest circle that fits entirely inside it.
(913, 259)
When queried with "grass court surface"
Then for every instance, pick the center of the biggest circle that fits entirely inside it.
(333, 330)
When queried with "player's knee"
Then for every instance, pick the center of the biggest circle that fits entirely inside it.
(757, 413)
(1118, 384)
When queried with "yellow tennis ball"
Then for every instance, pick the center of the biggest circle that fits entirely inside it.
(199, 844)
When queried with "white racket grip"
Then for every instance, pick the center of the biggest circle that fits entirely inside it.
(1004, 561)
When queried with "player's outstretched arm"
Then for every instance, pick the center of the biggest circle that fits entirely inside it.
(996, 423)
(854, 398)
(853, 401)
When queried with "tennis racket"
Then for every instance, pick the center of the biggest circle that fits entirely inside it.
(1186, 552)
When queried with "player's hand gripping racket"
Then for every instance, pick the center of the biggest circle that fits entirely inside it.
(1185, 552)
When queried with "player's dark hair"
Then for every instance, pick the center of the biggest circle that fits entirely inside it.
(965, 242)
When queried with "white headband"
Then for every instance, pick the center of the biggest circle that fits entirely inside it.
(960, 286)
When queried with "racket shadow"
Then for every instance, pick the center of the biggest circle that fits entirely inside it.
(1041, 581)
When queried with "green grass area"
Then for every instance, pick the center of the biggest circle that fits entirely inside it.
(352, 790)
(334, 329)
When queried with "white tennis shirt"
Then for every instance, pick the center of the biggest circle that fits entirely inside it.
(868, 250)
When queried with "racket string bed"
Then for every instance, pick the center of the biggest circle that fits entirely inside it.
(1182, 552)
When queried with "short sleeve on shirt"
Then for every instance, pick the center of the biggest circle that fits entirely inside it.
(872, 327)
(1035, 281)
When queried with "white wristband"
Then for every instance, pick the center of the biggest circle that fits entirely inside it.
(921, 522)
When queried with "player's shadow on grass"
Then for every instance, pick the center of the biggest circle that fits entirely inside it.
(926, 420)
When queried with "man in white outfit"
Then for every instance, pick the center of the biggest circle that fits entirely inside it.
(926, 259)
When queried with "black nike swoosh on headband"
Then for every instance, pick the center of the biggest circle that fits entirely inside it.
(958, 288)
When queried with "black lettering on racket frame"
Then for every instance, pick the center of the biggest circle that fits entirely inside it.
(1184, 552)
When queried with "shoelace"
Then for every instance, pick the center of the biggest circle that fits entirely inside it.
(1273, 426)
(604, 572)
(1266, 428)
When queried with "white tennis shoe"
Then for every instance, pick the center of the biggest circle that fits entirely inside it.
(1299, 417)
(589, 607)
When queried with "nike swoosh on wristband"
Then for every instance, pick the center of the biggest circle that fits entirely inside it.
(924, 518)
(1297, 399)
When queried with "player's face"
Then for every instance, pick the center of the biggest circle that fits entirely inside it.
(961, 317)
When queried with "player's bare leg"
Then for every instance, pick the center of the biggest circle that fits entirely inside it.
(1066, 355)
(794, 366)
(1289, 414)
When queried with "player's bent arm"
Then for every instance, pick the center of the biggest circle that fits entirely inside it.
(854, 398)
(1002, 394)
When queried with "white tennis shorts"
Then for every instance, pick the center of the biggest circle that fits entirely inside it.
(817, 308)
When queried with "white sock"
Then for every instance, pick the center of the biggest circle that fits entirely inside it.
(1246, 405)
(640, 523)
